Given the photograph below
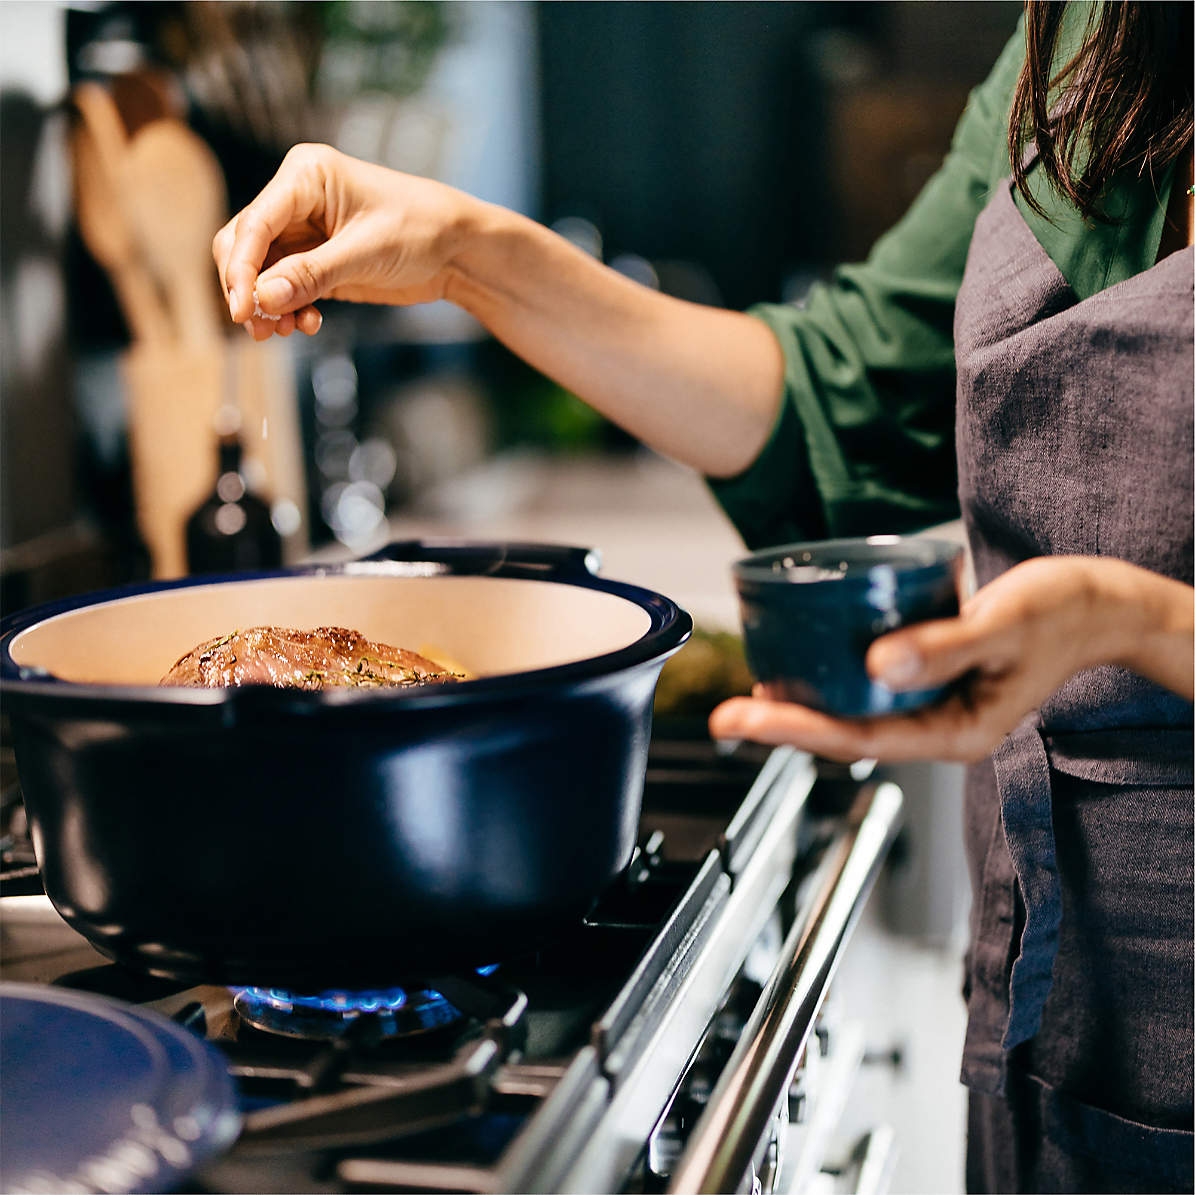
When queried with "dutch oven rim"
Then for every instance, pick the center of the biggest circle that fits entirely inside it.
(669, 627)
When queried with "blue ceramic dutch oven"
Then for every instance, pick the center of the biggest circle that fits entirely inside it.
(344, 838)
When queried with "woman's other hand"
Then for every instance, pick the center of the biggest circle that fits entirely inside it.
(1015, 642)
(328, 226)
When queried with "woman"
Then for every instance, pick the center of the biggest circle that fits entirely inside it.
(1021, 343)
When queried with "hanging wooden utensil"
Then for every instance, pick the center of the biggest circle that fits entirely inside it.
(174, 189)
(98, 149)
(145, 94)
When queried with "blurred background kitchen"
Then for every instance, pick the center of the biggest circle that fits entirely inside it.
(726, 152)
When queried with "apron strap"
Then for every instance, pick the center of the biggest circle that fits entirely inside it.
(1029, 155)
(1026, 809)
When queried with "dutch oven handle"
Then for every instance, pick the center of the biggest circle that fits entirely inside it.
(552, 562)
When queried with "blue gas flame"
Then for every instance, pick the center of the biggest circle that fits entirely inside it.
(428, 1007)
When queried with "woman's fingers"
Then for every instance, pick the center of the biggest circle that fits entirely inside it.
(932, 653)
(256, 228)
(302, 278)
(777, 722)
(952, 730)
(221, 248)
(294, 195)
(260, 329)
(1031, 614)
(308, 320)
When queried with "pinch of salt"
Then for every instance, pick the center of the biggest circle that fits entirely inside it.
(257, 311)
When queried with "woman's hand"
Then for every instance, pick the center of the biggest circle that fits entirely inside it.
(330, 226)
(1016, 642)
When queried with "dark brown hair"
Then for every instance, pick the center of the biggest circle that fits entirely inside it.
(1125, 96)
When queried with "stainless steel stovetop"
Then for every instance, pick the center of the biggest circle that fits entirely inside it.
(681, 1039)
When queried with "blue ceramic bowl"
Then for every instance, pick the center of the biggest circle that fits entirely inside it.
(810, 611)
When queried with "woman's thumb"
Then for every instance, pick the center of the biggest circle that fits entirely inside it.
(300, 279)
(927, 654)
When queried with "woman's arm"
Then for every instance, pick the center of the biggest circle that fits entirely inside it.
(699, 384)
(831, 419)
(1016, 641)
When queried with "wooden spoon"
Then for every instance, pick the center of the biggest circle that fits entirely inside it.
(146, 94)
(174, 188)
(97, 148)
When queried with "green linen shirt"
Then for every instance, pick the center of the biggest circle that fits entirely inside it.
(864, 439)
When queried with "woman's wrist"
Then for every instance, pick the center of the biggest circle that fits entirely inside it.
(696, 383)
(1142, 621)
(485, 247)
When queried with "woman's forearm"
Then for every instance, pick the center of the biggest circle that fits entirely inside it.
(696, 383)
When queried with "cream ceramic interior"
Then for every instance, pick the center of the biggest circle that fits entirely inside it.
(483, 625)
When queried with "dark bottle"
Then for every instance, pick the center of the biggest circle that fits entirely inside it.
(231, 529)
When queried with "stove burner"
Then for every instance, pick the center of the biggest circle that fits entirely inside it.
(394, 1012)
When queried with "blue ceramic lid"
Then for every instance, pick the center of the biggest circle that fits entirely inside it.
(103, 1096)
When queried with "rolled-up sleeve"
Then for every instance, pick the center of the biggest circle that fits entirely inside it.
(864, 438)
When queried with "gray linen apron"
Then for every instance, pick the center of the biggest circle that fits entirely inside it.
(1074, 436)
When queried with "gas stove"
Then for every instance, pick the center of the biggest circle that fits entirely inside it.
(685, 1037)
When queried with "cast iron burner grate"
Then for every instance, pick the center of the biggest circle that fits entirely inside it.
(355, 1091)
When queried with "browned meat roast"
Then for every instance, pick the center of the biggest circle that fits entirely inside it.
(319, 659)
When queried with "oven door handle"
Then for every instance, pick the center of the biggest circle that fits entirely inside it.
(761, 1068)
